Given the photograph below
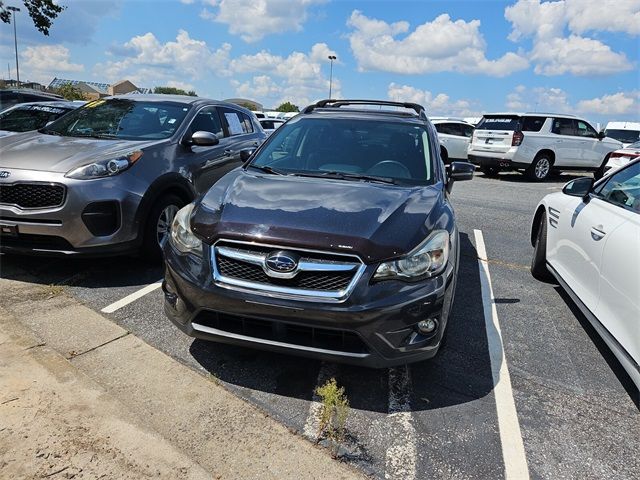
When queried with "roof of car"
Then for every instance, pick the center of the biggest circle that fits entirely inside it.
(448, 120)
(624, 125)
(32, 91)
(59, 103)
(348, 108)
(531, 114)
(186, 99)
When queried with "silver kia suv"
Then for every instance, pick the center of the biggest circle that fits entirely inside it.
(109, 177)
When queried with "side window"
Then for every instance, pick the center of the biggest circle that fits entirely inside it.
(439, 127)
(623, 189)
(564, 126)
(234, 121)
(207, 120)
(586, 130)
(533, 124)
(467, 130)
(248, 124)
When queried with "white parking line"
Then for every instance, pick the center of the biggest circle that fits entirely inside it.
(131, 298)
(312, 424)
(515, 460)
(401, 457)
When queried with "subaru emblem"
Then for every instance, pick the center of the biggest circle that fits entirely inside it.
(4, 174)
(282, 262)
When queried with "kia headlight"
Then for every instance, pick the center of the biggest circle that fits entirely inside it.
(427, 260)
(182, 238)
(105, 168)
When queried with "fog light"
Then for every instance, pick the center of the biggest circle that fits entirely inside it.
(428, 326)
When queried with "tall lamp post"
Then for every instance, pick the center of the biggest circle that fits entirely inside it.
(331, 59)
(13, 11)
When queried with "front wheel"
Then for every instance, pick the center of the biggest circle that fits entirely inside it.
(158, 225)
(540, 169)
(539, 268)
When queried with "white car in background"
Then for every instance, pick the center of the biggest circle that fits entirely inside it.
(587, 238)
(625, 132)
(454, 136)
(621, 157)
(269, 125)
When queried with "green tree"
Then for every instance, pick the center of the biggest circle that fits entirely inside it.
(287, 107)
(42, 12)
(174, 91)
(70, 92)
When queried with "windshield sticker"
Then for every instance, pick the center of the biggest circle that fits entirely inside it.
(235, 127)
(95, 104)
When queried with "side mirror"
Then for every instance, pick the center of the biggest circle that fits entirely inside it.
(601, 135)
(246, 153)
(204, 139)
(458, 171)
(580, 187)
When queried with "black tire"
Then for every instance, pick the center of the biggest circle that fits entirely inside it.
(539, 268)
(490, 171)
(540, 168)
(599, 173)
(151, 247)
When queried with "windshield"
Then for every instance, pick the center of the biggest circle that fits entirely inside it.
(29, 117)
(349, 149)
(498, 123)
(123, 119)
(624, 136)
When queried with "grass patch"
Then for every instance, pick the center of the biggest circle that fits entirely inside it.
(334, 412)
(52, 290)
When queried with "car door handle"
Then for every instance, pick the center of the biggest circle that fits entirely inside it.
(597, 233)
(228, 152)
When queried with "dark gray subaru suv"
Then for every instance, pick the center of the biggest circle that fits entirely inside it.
(110, 176)
(335, 240)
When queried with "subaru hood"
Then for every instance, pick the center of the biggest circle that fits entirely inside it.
(51, 153)
(373, 220)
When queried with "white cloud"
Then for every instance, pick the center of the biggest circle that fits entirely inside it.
(438, 105)
(149, 62)
(538, 99)
(255, 19)
(177, 84)
(438, 46)
(622, 103)
(553, 53)
(578, 56)
(300, 77)
(43, 62)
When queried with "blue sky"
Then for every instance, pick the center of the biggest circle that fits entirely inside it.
(457, 58)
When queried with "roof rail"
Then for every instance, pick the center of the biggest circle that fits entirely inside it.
(329, 103)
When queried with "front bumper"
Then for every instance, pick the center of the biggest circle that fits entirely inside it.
(375, 326)
(63, 230)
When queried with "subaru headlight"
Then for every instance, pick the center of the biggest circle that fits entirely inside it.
(182, 238)
(427, 260)
(105, 168)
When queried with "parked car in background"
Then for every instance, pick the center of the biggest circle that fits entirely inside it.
(454, 136)
(625, 132)
(108, 177)
(32, 116)
(539, 143)
(336, 240)
(13, 96)
(587, 238)
(258, 114)
(621, 157)
(269, 125)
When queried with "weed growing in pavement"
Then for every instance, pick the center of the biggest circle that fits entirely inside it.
(53, 290)
(334, 412)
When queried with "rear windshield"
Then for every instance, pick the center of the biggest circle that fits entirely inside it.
(624, 136)
(29, 117)
(498, 123)
(327, 148)
(122, 119)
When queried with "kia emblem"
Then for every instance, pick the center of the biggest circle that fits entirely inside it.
(4, 174)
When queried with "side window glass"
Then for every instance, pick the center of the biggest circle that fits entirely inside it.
(563, 126)
(207, 120)
(439, 128)
(585, 130)
(234, 121)
(623, 189)
(248, 125)
(533, 124)
(468, 130)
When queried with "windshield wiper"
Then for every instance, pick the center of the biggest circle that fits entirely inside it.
(267, 169)
(48, 131)
(94, 135)
(349, 176)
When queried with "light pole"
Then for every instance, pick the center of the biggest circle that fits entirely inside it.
(13, 11)
(331, 59)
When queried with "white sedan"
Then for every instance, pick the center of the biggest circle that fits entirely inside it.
(623, 156)
(587, 238)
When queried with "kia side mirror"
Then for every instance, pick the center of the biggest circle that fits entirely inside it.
(458, 171)
(204, 139)
(580, 187)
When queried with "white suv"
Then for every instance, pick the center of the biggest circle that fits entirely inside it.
(538, 143)
(454, 136)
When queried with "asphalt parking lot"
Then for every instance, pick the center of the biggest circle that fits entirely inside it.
(563, 408)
